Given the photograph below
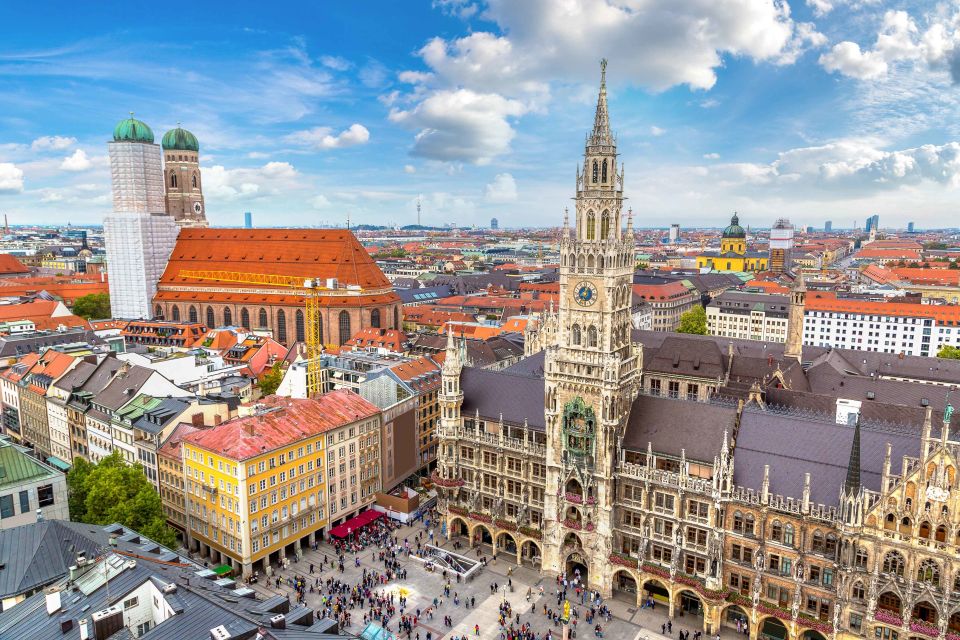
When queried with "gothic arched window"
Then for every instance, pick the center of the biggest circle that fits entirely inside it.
(396, 318)
(344, 327)
(227, 318)
(893, 563)
(175, 313)
(300, 328)
(858, 592)
(281, 326)
(245, 318)
(788, 534)
(605, 225)
(263, 318)
(194, 181)
(158, 311)
(929, 571)
(375, 318)
(173, 180)
(604, 178)
(596, 170)
(592, 333)
(211, 321)
(192, 314)
(591, 226)
(575, 334)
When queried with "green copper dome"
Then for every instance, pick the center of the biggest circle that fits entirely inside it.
(734, 230)
(181, 140)
(132, 130)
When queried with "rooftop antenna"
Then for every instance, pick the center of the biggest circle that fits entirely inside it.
(6, 225)
(348, 221)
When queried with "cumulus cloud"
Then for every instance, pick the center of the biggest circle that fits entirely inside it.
(322, 138)
(847, 58)
(335, 62)
(52, 143)
(461, 125)
(502, 189)
(228, 185)
(657, 131)
(76, 162)
(319, 202)
(711, 156)
(11, 178)
(409, 168)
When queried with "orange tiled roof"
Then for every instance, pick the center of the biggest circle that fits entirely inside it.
(26, 361)
(660, 291)
(826, 301)
(889, 254)
(10, 264)
(929, 276)
(391, 339)
(290, 421)
(40, 312)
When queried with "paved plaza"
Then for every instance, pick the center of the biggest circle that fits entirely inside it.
(421, 587)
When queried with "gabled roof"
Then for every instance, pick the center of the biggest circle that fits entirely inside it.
(9, 264)
(517, 397)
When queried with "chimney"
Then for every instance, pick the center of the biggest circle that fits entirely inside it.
(196, 419)
(53, 600)
(248, 427)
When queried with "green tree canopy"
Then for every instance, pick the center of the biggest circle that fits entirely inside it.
(694, 321)
(113, 491)
(270, 381)
(95, 306)
(947, 351)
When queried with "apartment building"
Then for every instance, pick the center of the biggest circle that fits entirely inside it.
(749, 316)
(34, 386)
(668, 300)
(256, 487)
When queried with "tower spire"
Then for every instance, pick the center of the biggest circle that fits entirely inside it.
(852, 483)
(601, 121)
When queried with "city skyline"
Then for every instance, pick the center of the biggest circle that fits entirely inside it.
(812, 111)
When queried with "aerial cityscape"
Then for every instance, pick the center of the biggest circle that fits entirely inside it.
(350, 352)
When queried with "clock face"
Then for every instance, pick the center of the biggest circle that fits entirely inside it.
(197, 207)
(586, 294)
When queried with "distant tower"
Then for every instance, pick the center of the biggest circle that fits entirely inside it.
(247, 220)
(781, 245)
(139, 234)
(828, 226)
(674, 233)
(184, 199)
(909, 227)
(418, 211)
(494, 224)
(798, 298)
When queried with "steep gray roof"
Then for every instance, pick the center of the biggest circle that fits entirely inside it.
(36, 554)
(124, 387)
(518, 397)
(793, 445)
(671, 425)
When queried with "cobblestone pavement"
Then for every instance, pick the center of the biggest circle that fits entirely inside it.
(421, 587)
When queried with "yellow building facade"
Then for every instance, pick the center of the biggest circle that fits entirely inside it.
(733, 254)
(256, 486)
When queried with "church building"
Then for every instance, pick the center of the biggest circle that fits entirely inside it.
(733, 254)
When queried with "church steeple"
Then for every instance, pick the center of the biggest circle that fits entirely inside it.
(852, 483)
(601, 121)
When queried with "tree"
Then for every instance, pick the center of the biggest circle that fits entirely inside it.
(93, 306)
(694, 321)
(113, 491)
(947, 351)
(270, 381)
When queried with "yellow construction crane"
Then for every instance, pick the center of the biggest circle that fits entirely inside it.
(309, 287)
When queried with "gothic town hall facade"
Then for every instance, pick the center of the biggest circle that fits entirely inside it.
(796, 491)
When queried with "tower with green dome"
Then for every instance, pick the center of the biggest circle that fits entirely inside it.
(183, 184)
(733, 254)
(138, 234)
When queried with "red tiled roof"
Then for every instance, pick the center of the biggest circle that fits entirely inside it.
(928, 276)
(40, 312)
(826, 301)
(10, 264)
(26, 361)
(660, 291)
(391, 339)
(289, 421)
(889, 254)
(306, 253)
(69, 288)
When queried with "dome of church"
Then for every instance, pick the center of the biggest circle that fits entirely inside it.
(132, 130)
(181, 140)
(734, 230)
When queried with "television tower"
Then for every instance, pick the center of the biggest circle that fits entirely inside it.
(418, 211)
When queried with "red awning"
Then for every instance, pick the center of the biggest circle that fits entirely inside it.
(355, 524)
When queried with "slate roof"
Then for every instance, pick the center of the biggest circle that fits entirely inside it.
(670, 425)
(792, 446)
(36, 554)
(518, 397)
(684, 357)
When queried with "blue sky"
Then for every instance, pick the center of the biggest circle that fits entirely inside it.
(310, 112)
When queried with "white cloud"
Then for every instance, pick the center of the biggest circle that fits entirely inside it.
(409, 168)
(373, 74)
(461, 125)
(51, 196)
(657, 131)
(322, 138)
(228, 185)
(502, 189)
(335, 62)
(77, 162)
(319, 202)
(848, 59)
(11, 178)
(52, 143)
(711, 156)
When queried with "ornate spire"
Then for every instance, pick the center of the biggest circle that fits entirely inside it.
(601, 121)
(852, 483)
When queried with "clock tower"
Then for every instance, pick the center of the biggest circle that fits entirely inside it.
(592, 373)
(183, 186)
